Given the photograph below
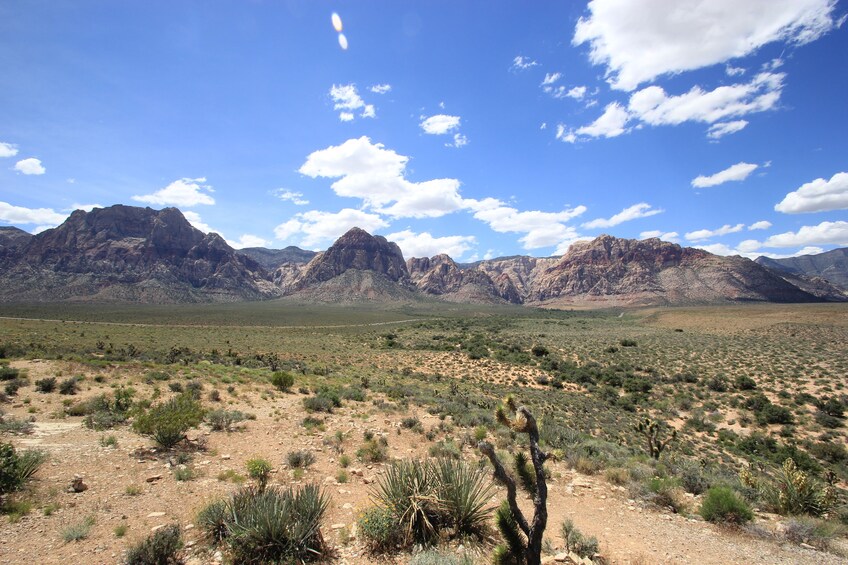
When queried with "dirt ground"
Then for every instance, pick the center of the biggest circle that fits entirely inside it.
(129, 486)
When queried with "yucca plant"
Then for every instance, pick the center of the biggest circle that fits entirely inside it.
(407, 488)
(464, 493)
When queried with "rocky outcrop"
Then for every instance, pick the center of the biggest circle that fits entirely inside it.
(359, 250)
(132, 254)
(13, 238)
(272, 259)
(441, 276)
(830, 265)
(630, 272)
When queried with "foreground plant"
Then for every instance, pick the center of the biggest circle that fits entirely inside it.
(523, 539)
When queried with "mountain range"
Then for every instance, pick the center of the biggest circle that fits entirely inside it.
(133, 254)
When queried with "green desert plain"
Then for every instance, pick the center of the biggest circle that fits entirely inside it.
(333, 396)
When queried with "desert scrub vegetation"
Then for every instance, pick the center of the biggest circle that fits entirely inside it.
(419, 499)
(16, 468)
(792, 491)
(273, 525)
(160, 548)
(722, 505)
(167, 423)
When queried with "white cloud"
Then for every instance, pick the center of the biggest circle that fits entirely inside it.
(319, 228)
(347, 100)
(737, 172)
(8, 149)
(761, 225)
(30, 166)
(295, 198)
(248, 240)
(732, 71)
(540, 229)
(184, 192)
(544, 125)
(195, 220)
(85, 207)
(720, 129)
(551, 78)
(641, 210)
(825, 233)
(459, 140)
(440, 124)
(425, 245)
(671, 236)
(653, 106)
(699, 235)
(578, 92)
(375, 174)
(380, 88)
(639, 40)
(819, 195)
(610, 124)
(521, 63)
(43, 217)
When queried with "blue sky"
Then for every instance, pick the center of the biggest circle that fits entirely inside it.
(475, 129)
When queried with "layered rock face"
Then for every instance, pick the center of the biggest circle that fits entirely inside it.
(441, 276)
(129, 253)
(831, 266)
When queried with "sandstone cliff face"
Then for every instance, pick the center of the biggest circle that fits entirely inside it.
(272, 259)
(359, 250)
(441, 276)
(133, 254)
(518, 273)
(831, 265)
(631, 272)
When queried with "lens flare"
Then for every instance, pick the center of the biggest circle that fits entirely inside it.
(337, 22)
(343, 41)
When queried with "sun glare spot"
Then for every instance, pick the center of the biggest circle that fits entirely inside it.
(337, 22)
(343, 41)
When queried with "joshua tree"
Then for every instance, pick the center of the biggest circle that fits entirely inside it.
(652, 430)
(523, 538)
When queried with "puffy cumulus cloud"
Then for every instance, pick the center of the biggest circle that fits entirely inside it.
(761, 225)
(551, 78)
(732, 71)
(8, 149)
(380, 88)
(347, 100)
(375, 174)
(737, 172)
(295, 198)
(825, 233)
(611, 123)
(440, 124)
(671, 236)
(578, 92)
(44, 218)
(314, 228)
(30, 166)
(248, 240)
(196, 221)
(640, 40)
(522, 63)
(540, 229)
(819, 195)
(699, 235)
(459, 140)
(653, 106)
(641, 210)
(425, 245)
(184, 192)
(720, 129)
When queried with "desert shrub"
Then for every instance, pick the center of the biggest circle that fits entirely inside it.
(828, 421)
(103, 412)
(271, 526)
(212, 520)
(78, 531)
(666, 493)
(436, 557)
(45, 385)
(13, 386)
(832, 407)
(167, 423)
(692, 477)
(628, 343)
(380, 530)
(259, 470)
(17, 468)
(69, 386)
(300, 459)
(774, 414)
(223, 420)
(793, 491)
(812, 531)
(318, 404)
(463, 492)
(12, 425)
(578, 543)
(354, 393)
(8, 373)
(374, 450)
(410, 423)
(618, 476)
(445, 448)
(829, 451)
(160, 548)
(282, 380)
(744, 382)
(722, 505)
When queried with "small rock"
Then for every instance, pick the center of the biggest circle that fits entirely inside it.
(218, 557)
(155, 514)
(347, 506)
(807, 546)
(77, 485)
(225, 457)
(153, 478)
(337, 526)
(155, 528)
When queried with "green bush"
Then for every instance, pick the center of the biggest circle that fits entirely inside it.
(379, 529)
(722, 505)
(160, 548)
(223, 420)
(167, 423)
(270, 526)
(45, 385)
(578, 543)
(69, 386)
(17, 468)
(8, 373)
(282, 380)
(260, 470)
(300, 459)
(774, 414)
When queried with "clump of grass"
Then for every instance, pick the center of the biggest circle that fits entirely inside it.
(132, 490)
(374, 450)
(120, 530)
(232, 476)
(578, 543)
(300, 459)
(78, 531)
(161, 547)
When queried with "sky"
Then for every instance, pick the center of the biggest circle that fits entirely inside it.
(476, 129)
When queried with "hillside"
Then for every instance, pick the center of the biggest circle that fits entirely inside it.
(830, 265)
